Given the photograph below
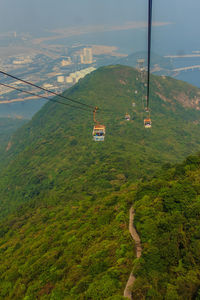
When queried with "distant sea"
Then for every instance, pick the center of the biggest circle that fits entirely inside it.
(165, 40)
(24, 109)
(192, 77)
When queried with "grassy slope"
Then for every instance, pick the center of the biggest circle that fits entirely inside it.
(71, 193)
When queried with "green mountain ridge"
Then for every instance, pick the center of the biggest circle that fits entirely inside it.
(65, 199)
(56, 143)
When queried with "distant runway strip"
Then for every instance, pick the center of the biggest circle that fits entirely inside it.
(19, 100)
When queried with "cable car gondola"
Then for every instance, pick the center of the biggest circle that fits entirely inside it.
(147, 123)
(99, 131)
(127, 117)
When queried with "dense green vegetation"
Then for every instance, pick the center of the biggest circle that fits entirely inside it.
(167, 219)
(7, 127)
(64, 198)
(73, 250)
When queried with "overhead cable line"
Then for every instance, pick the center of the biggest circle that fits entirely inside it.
(43, 97)
(149, 50)
(46, 90)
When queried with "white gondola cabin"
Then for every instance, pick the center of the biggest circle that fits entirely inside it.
(127, 117)
(99, 132)
(147, 123)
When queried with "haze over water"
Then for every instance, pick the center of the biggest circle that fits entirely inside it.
(40, 17)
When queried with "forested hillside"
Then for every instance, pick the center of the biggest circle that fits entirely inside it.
(65, 199)
(167, 219)
(54, 154)
(76, 249)
(7, 128)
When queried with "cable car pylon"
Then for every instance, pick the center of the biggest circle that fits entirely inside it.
(147, 121)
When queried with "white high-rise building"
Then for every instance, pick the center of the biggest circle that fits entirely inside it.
(86, 56)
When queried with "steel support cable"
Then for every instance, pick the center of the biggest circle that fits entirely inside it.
(48, 91)
(43, 97)
(149, 49)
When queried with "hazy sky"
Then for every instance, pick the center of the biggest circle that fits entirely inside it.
(31, 15)
(35, 16)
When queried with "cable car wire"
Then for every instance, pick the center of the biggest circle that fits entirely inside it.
(149, 50)
(43, 97)
(46, 90)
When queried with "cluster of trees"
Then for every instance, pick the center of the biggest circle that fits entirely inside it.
(167, 219)
(78, 249)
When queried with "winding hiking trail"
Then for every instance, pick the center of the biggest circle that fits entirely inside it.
(136, 238)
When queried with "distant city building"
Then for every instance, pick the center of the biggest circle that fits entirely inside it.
(86, 57)
(69, 79)
(48, 86)
(60, 79)
(76, 58)
(66, 62)
(18, 82)
(74, 77)
(22, 61)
